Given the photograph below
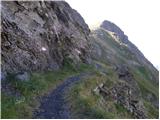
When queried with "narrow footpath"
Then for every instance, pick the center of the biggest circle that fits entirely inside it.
(54, 106)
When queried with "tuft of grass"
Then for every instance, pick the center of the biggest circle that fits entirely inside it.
(84, 107)
(120, 108)
(144, 73)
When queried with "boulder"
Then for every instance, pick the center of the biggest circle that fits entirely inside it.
(23, 76)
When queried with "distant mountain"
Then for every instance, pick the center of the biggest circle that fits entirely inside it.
(107, 25)
(118, 35)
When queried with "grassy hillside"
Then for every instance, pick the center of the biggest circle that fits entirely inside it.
(26, 97)
(85, 103)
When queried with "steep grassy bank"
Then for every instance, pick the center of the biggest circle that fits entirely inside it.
(86, 103)
(149, 90)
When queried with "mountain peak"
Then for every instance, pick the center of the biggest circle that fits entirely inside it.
(110, 26)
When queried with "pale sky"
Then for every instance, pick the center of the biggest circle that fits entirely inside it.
(139, 19)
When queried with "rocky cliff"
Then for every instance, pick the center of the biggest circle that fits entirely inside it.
(38, 36)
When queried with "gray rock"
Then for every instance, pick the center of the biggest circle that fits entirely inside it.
(23, 76)
(122, 93)
(3, 76)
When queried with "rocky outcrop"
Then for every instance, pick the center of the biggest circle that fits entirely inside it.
(124, 92)
(114, 28)
(39, 35)
(23, 76)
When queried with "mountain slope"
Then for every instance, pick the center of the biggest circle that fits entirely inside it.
(107, 25)
(46, 42)
(111, 47)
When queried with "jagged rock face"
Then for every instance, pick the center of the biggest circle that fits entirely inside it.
(40, 35)
(107, 25)
(114, 28)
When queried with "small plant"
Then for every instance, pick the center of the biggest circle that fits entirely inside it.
(120, 108)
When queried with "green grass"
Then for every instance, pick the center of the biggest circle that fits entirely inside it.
(120, 108)
(145, 85)
(86, 104)
(151, 110)
(145, 74)
(13, 108)
(39, 85)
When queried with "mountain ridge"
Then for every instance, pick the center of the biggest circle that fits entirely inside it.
(141, 58)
